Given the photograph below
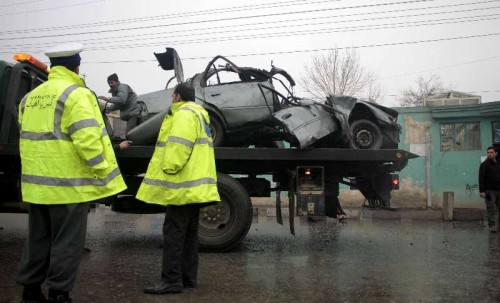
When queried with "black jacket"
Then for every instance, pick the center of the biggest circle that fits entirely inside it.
(489, 175)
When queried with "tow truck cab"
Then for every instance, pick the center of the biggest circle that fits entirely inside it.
(16, 80)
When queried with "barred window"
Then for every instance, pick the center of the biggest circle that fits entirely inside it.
(460, 136)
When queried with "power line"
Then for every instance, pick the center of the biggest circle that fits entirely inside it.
(21, 3)
(265, 25)
(176, 15)
(303, 32)
(309, 32)
(52, 8)
(314, 50)
(284, 34)
(275, 35)
(442, 67)
(469, 92)
(218, 20)
(201, 40)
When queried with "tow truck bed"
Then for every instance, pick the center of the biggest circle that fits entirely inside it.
(235, 160)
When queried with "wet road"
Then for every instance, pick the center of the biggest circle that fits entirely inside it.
(364, 260)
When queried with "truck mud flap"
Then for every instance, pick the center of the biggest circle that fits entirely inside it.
(291, 202)
(279, 215)
(291, 211)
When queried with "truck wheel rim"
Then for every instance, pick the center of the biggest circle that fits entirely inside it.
(214, 219)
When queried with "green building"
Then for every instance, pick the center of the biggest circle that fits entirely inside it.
(451, 134)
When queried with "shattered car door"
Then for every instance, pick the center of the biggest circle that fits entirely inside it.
(240, 103)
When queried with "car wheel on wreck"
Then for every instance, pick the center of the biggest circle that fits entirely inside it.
(224, 225)
(217, 130)
(365, 135)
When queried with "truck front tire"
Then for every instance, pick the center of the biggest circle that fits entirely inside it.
(224, 225)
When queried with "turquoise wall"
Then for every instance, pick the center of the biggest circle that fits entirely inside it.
(451, 171)
(415, 170)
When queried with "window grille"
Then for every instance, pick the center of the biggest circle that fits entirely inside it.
(460, 136)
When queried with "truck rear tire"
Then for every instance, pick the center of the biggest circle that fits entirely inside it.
(224, 225)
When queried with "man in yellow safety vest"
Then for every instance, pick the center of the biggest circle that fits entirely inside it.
(67, 161)
(181, 176)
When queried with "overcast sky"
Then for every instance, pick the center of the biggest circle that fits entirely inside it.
(459, 40)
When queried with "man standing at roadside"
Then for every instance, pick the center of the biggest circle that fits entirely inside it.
(181, 176)
(67, 161)
(489, 186)
(124, 99)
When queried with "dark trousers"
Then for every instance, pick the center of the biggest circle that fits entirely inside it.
(180, 250)
(55, 242)
(131, 123)
(492, 199)
(332, 207)
(332, 191)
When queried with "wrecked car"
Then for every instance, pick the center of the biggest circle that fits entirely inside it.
(251, 106)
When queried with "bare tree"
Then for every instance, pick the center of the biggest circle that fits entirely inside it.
(336, 73)
(425, 88)
(374, 91)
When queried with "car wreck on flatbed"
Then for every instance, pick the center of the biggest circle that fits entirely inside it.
(250, 106)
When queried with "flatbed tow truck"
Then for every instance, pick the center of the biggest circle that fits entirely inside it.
(242, 172)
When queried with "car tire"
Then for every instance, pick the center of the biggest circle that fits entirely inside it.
(218, 132)
(365, 135)
(224, 225)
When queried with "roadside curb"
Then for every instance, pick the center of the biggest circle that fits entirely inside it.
(360, 213)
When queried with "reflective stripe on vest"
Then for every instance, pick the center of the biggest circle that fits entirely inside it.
(54, 181)
(180, 140)
(187, 184)
(184, 141)
(96, 160)
(188, 143)
(82, 124)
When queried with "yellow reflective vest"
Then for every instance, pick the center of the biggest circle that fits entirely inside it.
(66, 154)
(182, 169)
